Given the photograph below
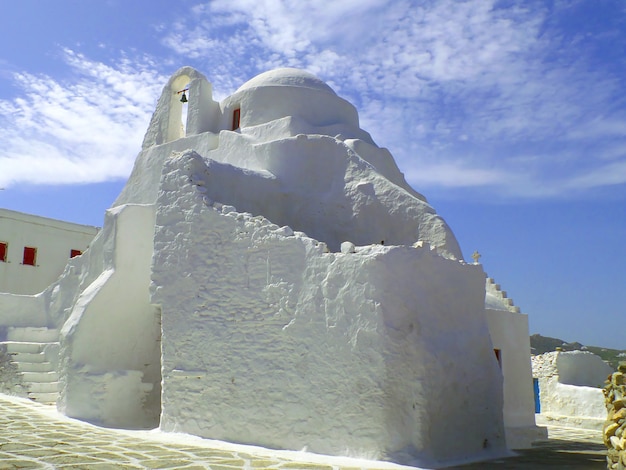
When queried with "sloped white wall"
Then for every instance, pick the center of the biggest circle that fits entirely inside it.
(110, 372)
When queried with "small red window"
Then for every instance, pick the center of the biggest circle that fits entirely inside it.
(236, 117)
(3, 251)
(74, 253)
(30, 255)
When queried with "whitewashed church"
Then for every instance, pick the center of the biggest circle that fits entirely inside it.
(267, 276)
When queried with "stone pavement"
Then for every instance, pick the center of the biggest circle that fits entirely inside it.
(566, 448)
(34, 436)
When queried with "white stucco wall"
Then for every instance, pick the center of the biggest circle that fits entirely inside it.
(341, 192)
(509, 334)
(269, 339)
(21, 310)
(53, 239)
(110, 343)
(572, 400)
(582, 368)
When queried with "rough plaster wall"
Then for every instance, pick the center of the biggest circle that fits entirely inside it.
(143, 183)
(572, 405)
(268, 339)
(110, 343)
(369, 207)
(572, 400)
(324, 189)
(544, 365)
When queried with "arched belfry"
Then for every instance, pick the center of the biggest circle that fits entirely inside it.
(202, 113)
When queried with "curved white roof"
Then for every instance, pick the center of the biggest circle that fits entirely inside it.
(287, 77)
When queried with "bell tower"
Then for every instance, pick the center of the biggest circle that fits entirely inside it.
(202, 113)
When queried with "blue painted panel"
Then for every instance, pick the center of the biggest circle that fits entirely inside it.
(536, 389)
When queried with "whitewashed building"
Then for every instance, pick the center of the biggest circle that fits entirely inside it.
(508, 329)
(267, 276)
(34, 250)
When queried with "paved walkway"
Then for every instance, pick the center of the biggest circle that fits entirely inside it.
(34, 436)
(566, 449)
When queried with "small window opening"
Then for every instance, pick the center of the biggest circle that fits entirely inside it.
(236, 117)
(3, 251)
(74, 253)
(30, 256)
(498, 354)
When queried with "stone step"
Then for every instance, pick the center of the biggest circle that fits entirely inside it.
(34, 366)
(28, 357)
(49, 387)
(21, 346)
(33, 334)
(48, 398)
(40, 376)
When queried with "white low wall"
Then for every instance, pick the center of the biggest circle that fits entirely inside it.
(569, 404)
(582, 368)
(21, 310)
(53, 241)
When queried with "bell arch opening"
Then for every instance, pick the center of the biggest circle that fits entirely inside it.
(177, 126)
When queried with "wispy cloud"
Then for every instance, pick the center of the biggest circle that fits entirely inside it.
(508, 98)
(460, 87)
(84, 129)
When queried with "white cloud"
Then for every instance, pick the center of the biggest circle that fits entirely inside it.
(86, 129)
(471, 93)
(613, 173)
(455, 174)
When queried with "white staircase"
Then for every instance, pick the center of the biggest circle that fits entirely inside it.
(34, 352)
(497, 291)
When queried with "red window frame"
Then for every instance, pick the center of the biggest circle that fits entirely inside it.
(4, 249)
(30, 256)
(74, 253)
(236, 118)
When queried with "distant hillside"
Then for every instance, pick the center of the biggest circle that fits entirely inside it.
(543, 344)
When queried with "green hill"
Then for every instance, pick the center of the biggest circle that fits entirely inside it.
(543, 344)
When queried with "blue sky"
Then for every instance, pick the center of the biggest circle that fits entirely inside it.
(509, 116)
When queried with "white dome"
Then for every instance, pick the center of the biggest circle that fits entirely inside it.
(287, 77)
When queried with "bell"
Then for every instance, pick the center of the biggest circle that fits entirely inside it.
(183, 99)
